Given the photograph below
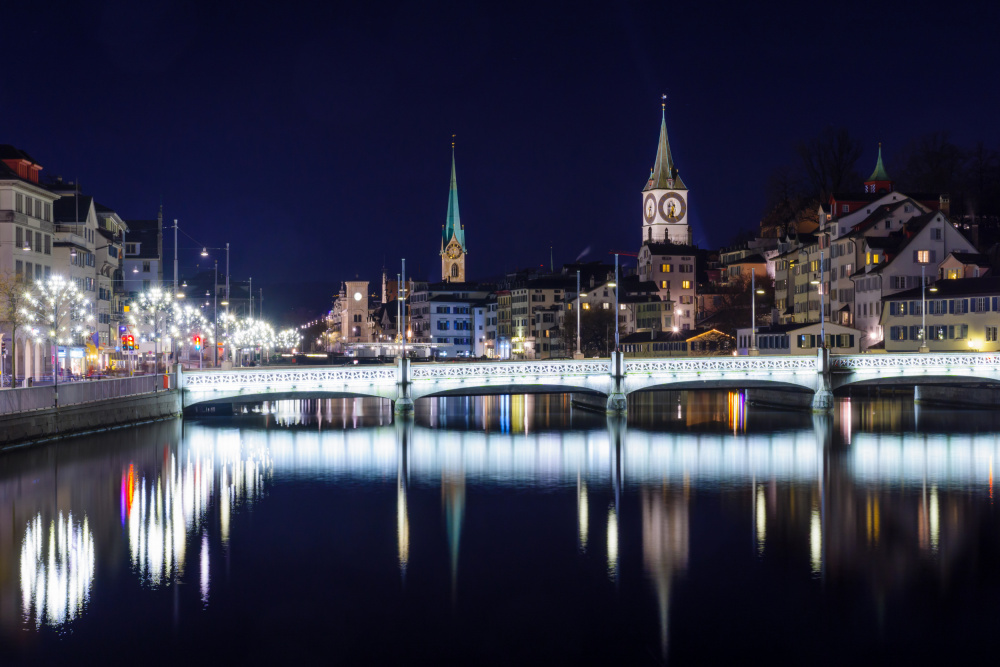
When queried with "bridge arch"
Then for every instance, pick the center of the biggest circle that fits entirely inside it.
(913, 369)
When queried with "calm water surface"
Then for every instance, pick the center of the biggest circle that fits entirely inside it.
(508, 530)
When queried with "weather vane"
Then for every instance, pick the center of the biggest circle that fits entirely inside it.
(453, 141)
(664, 102)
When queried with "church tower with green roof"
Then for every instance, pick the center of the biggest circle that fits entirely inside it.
(453, 248)
(879, 182)
(665, 197)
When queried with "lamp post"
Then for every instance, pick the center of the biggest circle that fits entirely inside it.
(215, 314)
(616, 302)
(822, 309)
(403, 291)
(819, 288)
(923, 311)
(579, 350)
(753, 351)
(204, 253)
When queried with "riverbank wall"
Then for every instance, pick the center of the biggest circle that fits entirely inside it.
(23, 428)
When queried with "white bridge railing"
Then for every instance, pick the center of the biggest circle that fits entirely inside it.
(516, 369)
(721, 364)
(311, 377)
(915, 360)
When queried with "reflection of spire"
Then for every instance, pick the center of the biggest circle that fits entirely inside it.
(582, 511)
(204, 568)
(402, 527)
(760, 515)
(612, 542)
(665, 540)
(404, 429)
(453, 496)
(816, 540)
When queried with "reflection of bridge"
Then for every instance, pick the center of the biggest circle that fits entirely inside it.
(614, 378)
(546, 458)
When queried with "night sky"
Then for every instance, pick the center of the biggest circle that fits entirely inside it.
(317, 141)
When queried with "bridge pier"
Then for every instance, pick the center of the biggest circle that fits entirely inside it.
(822, 401)
(617, 400)
(403, 405)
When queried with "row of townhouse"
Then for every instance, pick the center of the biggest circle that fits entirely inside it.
(49, 228)
(523, 317)
(866, 248)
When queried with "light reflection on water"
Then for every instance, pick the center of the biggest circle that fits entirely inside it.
(844, 498)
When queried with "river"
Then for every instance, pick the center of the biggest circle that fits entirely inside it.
(508, 530)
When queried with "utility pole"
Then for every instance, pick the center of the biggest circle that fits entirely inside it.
(579, 350)
(616, 302)
(175, 257)
(404, 306)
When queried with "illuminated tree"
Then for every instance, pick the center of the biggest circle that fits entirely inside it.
(58, 313)
(152, 315)
(13, 294)
(289, 339)
(187, 322)
(249, 334)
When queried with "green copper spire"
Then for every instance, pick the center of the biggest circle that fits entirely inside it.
(665, 175)
(453, 222)
(879, 173)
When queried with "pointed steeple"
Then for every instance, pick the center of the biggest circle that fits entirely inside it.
(879, 173)
(453, 222)
(879, 182)
(665, 175)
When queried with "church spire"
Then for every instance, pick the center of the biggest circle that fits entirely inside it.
(879, 181)
(665, 175)
(453, 222)
(879, 173)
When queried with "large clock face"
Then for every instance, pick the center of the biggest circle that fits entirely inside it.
(357, 296)
(453, 251)
(672, 207)
(650, 208)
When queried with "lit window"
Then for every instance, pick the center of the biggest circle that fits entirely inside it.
(666, 268)
(685, 284)
(586, 306)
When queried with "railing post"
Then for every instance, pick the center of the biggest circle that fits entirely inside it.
(617, 401)
(403, 405)
(823, 398)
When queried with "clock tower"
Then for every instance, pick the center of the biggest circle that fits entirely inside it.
(453, 249)
(665, 197)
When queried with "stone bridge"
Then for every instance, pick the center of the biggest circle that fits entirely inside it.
(613, 378)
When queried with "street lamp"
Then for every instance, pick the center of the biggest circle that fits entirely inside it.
(579, 350)
(923, 311)
(819, 288)
(615, 286)
(753, 351)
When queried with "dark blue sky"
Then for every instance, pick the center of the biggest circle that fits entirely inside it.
(317, 141)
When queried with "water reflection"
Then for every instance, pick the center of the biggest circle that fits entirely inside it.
(859, 498)
(57, 569)
(162, 513)
(665, 544)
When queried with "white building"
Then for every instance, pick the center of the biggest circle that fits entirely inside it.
(449, 316)
(796, 338)
(673, 268)
(896, 262)
(27, 233)
(143, 259)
